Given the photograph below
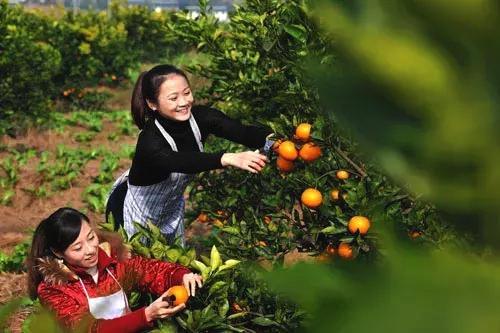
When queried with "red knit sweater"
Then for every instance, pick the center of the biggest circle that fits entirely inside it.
(70, 304)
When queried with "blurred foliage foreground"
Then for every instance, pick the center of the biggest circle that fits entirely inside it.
(418, 81)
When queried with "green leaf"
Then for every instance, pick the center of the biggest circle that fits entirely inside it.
(263, 321)
(237, 315)
(155, 231)
(173, 254)
(331, 230)
(159, 250)
(202, 268)
(224, 308)
(231, 230)
(297, 31)
(216, 287)
(228, 264)
(215, 259)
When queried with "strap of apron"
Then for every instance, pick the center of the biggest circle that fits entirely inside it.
(83, 287)
(167, 136)
(124, 296)
(196, 131)
(170, 140)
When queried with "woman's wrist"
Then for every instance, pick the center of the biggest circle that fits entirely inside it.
(147, 313)
(225, 158)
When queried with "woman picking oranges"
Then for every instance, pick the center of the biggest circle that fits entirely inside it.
(85, 284)
(170, 151)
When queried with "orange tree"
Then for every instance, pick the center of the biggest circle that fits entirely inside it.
(419, 87)
(256, 72)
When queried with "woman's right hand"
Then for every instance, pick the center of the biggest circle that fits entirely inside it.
(251, 161)
(160, 309)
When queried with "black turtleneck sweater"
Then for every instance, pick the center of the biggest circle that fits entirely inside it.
(154, 159)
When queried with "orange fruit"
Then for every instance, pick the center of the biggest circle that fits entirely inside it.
(276, 145)
(345, 251)
(218, 223)
(414, 234)
(335, 194)
(202, 218)
(284, 165)
(330, 250)
(177, 295)
(360, 223)
(310, 152)
(288, 151)
(342, 174)
(312, 198)
(236, 307)
(222, 213)
(303, 132)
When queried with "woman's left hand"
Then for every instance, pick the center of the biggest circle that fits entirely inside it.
(190, 281)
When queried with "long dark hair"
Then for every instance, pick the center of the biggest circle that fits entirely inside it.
(53, 234)
(147, 87)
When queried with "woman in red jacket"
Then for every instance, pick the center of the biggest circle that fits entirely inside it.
(86, 287)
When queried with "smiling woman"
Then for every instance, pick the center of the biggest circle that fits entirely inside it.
(85, 285)
(170, 151)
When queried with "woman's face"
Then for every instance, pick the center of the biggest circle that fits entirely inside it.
(83, 251)
(175, 98)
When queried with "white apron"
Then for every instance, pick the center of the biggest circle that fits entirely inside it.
(161, 203)
(107, 307)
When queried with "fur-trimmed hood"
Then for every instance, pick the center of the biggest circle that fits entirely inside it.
(55, 271)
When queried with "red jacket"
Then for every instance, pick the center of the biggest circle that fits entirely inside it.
(67, 299)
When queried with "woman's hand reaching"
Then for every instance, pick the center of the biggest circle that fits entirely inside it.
(251, 161)
(190, 281)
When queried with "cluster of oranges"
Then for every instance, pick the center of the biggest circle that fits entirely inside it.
(345, 251)
(308, 151)
(288, 150)
(204, 218)
(312, 198)
(68, 92)
(112, 76)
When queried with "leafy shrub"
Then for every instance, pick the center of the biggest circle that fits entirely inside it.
(28, 66)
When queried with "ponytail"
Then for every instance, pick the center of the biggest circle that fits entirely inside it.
(138, 106)
(147, 88)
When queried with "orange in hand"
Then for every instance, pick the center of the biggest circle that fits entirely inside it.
(177, 295)
(303, 132)
(312, 198)
(288, 151)
(360, 223)
(310, 152)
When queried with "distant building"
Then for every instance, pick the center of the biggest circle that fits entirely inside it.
(220, 8)
(221, 12)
